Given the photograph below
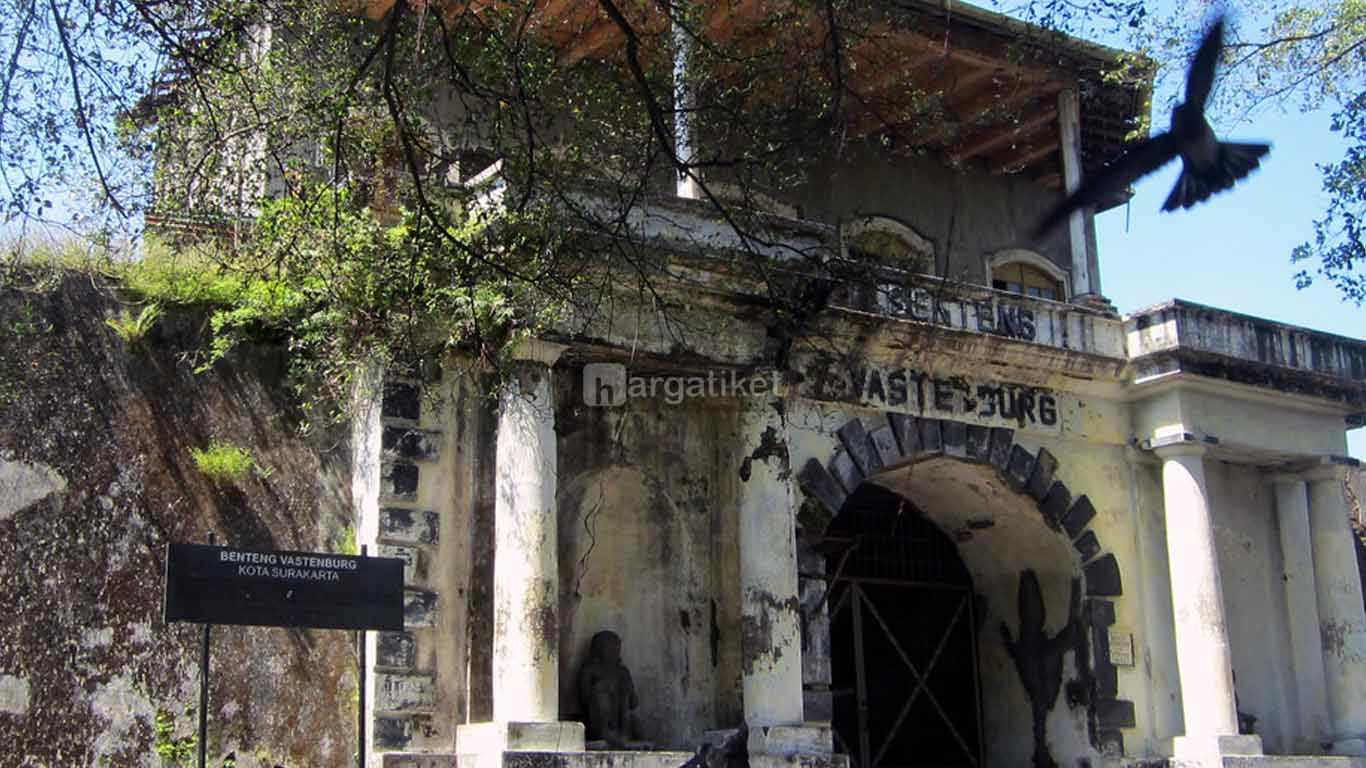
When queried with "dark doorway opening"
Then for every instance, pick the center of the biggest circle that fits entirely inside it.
(903, 638)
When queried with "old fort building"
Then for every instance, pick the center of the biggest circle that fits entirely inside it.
(968, 516)
(948, 508)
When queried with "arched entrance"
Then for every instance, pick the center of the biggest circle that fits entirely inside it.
(1042, 590)
(903, 648)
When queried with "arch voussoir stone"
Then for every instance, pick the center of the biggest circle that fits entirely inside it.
(863, 452)
(860, 449)
(817, 481)
(1056, 504)
(846, 471)
(885, 445)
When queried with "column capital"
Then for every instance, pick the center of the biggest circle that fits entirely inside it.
(534, 350)
(1328, 468)
(1183, 448)
(1287, 478)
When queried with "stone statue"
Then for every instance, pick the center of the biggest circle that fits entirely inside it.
(606, 692)
(1038, 658)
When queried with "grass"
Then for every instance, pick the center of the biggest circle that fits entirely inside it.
(223, 463)
(171, 750)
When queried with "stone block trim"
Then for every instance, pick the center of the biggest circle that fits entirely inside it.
(954, 435)
(396, 650)
(846, 471)
(1078, 517)
(398, 481)
(392, 732)
(979, 443)
(401, 525)
(414, 567)
(402, 400)
(1020, 469)
(1041, 479)
(885, 445)
(404, 693)
(410, 443)
(860, 448)
(1102, 576)
(1087, 545)
(821, 484)
(931, 436)
(1055, 505)
(404, 698)
(907, 433)
(1001, 441)
(419, 608)
(864, 451)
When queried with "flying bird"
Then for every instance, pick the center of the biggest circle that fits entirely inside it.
(1208, 165)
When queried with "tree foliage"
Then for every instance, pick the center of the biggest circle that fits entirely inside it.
(1299, 55)
(325, 176)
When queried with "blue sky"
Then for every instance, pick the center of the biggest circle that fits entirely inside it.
(1233, 251)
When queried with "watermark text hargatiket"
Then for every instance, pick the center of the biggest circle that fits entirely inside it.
(610, 384)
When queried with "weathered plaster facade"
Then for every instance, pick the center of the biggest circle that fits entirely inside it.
(1172, 482)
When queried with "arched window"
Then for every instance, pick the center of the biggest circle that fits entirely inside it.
(1028, 274)
(887, 242)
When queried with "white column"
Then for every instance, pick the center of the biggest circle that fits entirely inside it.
(770, 610)
(683, 44)
(1069, 130)
(526, 640)
(770, 634)
(526, 635)
(1202, 646)
(1306, 654)
(1342, 617)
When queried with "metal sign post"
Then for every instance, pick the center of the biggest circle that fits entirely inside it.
(360, 684)
(204, 685)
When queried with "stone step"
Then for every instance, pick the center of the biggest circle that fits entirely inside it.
(417, 760)
(1293, 761)
(603, 758)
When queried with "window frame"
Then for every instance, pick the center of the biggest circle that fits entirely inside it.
(996, 261)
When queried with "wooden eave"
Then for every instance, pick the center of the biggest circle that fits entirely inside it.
(993, 81)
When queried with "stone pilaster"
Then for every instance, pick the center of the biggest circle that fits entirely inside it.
(400, 441)
(1306, 655)
(1342, 617)
(1202, 646)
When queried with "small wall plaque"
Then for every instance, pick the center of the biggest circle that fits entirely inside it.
(1121, 647)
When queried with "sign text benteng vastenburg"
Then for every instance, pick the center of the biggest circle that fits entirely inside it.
(221, 585)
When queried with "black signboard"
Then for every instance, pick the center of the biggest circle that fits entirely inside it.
(221, 585)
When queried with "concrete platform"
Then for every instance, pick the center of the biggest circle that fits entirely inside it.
(598, 758)
(1245, 761)
(1293, 761)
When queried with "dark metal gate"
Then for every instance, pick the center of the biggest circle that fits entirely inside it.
(903, 639)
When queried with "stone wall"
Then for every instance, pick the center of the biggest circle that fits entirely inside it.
(96, 477)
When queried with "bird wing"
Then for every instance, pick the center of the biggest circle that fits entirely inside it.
(1200, 76)
(1141, 159)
